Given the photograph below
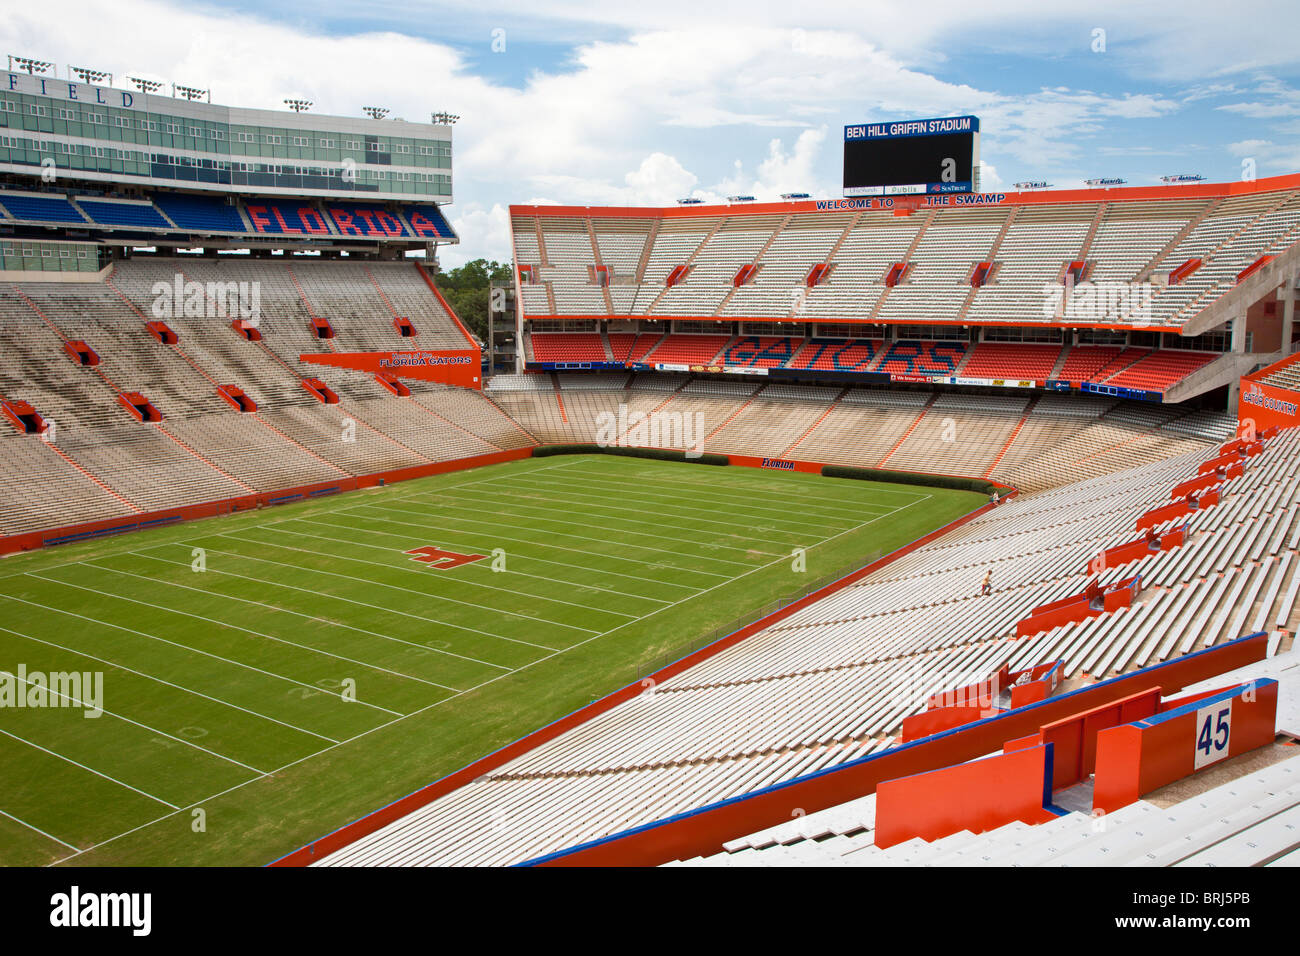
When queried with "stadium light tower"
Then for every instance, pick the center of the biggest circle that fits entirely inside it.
(91, 76)
(740, 199)
(375, 112)
(297, 105)
(30, 65)
(1182, 178)
(689, 201)
(794, 196)
(146, 86)
(191, 93)
(443, 119)
(1105, 181)
(1033, 184)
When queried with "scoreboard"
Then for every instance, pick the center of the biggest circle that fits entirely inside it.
(912, 157)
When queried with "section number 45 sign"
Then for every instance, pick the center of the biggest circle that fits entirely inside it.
(1213, 732)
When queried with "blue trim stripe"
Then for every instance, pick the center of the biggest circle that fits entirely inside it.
(634, 683)
(1193, 706)
(559, 854)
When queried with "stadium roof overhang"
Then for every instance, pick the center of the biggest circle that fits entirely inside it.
(1172, 192)
(180, 239)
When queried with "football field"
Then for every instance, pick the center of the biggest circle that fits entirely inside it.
(223, 691)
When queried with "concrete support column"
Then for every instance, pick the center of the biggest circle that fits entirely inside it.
(1288, 313)
(1239, 333)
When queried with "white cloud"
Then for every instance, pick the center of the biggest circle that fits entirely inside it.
(1199, 40)
(679, 98)
(659, 180)
(1246, 147)
(488, 232)
(1262, 110)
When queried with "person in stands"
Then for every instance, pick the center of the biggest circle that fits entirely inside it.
(987, 586)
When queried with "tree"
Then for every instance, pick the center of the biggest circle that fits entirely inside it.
(466, 290)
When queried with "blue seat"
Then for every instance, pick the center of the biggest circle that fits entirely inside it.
(123, 214)
(203, 213)
(287, 218)
(41, 208)
(365, 219)
(428, 222)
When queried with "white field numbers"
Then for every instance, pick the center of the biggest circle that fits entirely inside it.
(1213, 732)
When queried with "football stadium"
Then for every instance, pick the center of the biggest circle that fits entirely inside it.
(933, 522)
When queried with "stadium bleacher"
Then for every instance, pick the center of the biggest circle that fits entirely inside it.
(1084, 363)
(203, 213)
(687, 349)
(204, 450)
(1029, 246)
(934, 340)
(1061, 438)
(1012, 361)
(568, 347)
(821, 687)
(1161, 369)
(29, 208)
(162, 212)
(922, 358)
(1252, 821)
(427, 221)
(761, 351)
(838, 354)
(119, 213)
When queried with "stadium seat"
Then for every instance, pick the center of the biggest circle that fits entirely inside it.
(1002, 360)
(143, 215)
(40, 208)
(200, 213)
(568, 347)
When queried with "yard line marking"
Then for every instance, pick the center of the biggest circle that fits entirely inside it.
(267, 523)
(89, 769)
(37, 829)
(285, 610)
(771, 487)
(561, 534)
(729, 524)
(525, 557)
(766, 496)
(751, 571)
(414, 713)
(336, 597)
(195, 650)
(405, 570)
(748, 511)
(399, 718)
(123, 667)
(548, 512)
(718, 490)
(397, 587)
(152, 730)
(501, 477)
(309, 617)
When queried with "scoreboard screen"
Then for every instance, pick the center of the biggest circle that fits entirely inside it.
(914, 156)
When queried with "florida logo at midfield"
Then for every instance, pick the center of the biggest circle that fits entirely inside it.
(441, 560)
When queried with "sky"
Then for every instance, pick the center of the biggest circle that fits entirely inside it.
(564, 101)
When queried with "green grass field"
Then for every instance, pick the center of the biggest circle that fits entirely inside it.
(228, 733)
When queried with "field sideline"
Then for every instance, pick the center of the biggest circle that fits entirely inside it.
(272, 675)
